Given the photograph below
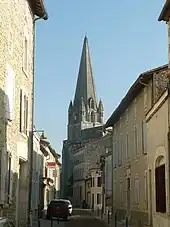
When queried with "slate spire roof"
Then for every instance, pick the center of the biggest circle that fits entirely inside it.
(85, 88)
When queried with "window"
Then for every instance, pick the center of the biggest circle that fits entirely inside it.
(99, 181)
(144, 137)
(121, 192)
(135, 139)
(114, 129)
(80, 192)
(9, 94)
(120, 147)
(93, 184)
(9, 177)
(25, 55)
(135, 109)
(137, 199)
(92, 117)
(160, 189)
(126, 118)
(120, 122)
(23, 112)
(127, 146)
(145, 98)
(146, 188)
(114, 155)
(45, 171)
(98, 199)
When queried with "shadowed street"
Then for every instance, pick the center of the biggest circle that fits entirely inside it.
(80, 218)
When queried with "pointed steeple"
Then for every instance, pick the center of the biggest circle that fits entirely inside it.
(85, 83)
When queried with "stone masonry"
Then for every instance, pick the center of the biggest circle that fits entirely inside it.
(16, 24)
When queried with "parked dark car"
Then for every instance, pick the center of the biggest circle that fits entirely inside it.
(58, 208)
(5, 222)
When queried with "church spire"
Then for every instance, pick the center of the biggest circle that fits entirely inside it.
(85, 83)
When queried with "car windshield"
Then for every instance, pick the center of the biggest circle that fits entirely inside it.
(58, 203)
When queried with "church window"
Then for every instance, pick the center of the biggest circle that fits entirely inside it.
(92, 117)
(91, 103)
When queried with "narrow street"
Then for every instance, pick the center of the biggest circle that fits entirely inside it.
(78, 219)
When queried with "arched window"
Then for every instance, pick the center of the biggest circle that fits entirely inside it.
(92, 117)
(91, 103)
(160, 185)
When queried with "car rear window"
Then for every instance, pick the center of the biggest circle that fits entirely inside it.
(58, 203)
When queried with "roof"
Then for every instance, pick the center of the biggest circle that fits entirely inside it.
(134, 90)
(85, 87)
(44, 144)
(39, 8)
(165, 13)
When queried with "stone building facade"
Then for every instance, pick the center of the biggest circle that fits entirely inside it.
(130, 146)
(50, 187)
(85, 159)
(16, 83)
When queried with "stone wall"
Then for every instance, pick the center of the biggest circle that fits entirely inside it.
(16, 23)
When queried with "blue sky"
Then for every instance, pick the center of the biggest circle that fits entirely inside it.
(125, 39)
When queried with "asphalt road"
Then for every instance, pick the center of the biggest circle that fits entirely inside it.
(79, 218)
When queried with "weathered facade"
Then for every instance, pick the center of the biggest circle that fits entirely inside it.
(158, 163)
(108, 180)
(50, 188)
(130, 174)
(37, 176)
(16, 88)
(85, 159)
(85, 117)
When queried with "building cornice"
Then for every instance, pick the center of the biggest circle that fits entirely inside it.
(157, 106)
(165, 13)
(132, 93)
(38, 8)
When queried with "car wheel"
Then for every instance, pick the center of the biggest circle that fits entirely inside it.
(66, 218)
(48, 216)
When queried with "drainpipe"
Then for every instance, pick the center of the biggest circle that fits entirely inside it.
(112, 175)
(31, 133)
(168, 85)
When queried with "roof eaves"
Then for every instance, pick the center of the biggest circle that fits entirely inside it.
(131, 94)
(165, 13)
(38, 8)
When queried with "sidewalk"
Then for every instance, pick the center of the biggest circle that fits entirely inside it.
(121, 223)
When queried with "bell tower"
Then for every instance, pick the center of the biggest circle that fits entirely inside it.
(85, 111)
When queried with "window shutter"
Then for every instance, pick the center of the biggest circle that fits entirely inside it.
(11, 180)
(146, 188)
(135, 139)
(117, 153)
(145, 98)
(127, 146)
(27, 115)
(137, 190)
(21, 111)
(2, 176)
(144, 137)
(6, 176)
(9, 96)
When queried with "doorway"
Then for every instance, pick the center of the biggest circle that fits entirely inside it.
(128, 195)
(92, 201)
(22, 193)
(150, 197)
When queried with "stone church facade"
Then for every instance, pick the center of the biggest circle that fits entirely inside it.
(85, 119)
